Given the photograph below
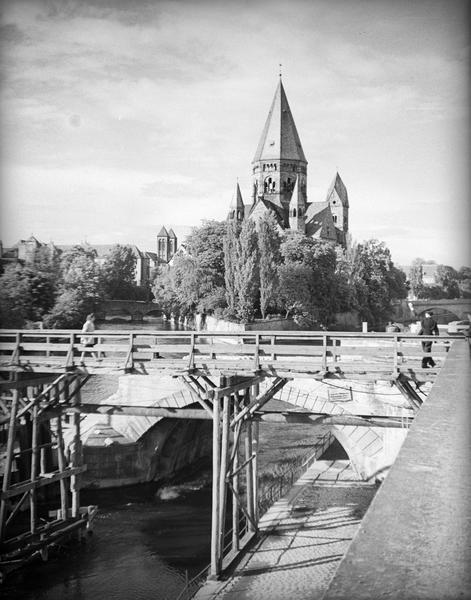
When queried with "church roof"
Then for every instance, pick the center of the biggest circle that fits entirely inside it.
(171, 234)
(163, 233)
(279, 212)
(280, 139)
(337, 186)
(318, 219)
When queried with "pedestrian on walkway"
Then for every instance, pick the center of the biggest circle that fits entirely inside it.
(88, 341)
(428, 326)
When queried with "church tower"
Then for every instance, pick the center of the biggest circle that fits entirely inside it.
(337, 197)
(279, 161)
(163, 245)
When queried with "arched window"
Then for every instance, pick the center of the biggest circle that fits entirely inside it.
(294, 212)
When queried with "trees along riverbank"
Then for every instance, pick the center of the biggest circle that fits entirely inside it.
(242, 271)
(60, 289)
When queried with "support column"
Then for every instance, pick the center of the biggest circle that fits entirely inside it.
(222, 477)
(61, 465)
(235, 484)
(8, 461)
(76, 454)
(34, 469)
(255, 431)
(214, 569)
(249, 471)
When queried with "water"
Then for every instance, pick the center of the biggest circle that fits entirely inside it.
(146, 540)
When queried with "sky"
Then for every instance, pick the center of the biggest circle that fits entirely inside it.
(119, 117)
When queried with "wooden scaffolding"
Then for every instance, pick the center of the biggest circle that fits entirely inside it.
(38, 473)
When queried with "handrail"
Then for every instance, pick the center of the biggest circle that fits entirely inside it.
(287, 352)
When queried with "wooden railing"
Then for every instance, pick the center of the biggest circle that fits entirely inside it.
(301, 353)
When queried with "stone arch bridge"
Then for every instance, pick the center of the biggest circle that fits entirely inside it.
(137, 310)
(458, 308)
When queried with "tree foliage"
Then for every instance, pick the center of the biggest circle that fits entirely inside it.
(246, 274)
(118, 273)
(27, 292)
(269, 242)
(377, 282)
(308, 279)
(195, 281)
(80, 289)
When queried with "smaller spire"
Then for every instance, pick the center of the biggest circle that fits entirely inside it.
(237, 208)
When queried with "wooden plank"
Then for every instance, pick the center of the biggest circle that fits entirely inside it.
(25, 486)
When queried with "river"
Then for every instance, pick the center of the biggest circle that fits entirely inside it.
(145, 540)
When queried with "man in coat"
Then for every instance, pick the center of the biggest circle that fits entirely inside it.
(428, 326)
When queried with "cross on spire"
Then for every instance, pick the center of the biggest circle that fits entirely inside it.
(280, 65)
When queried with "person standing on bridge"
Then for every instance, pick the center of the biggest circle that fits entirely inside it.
(428, 326)
(88, 340)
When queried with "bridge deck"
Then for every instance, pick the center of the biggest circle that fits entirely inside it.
(415, 541)
(282, 354)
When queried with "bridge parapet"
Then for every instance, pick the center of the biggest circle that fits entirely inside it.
(374, 356)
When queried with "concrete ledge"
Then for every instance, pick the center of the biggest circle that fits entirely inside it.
(415, 540)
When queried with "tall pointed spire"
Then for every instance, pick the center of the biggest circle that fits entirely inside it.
(280, 139)
(279, 160)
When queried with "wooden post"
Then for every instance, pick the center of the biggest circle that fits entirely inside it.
(248, 470)
(8, 461)
(76, 454)
(34, 470)
(222, 476)
(61, 465)
(214, 569)
(235, 484)
(255, 392)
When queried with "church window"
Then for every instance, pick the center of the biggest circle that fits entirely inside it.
(335, 218)
(294, 212)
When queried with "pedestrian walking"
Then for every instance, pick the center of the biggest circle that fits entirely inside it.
(428, 326)
(88, 341)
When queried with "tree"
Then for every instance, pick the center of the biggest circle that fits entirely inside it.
(206, 246)
(246, 275)
(195, 281)
(27, 292)
(447, 277)
(307, 278)
(230, 266)
(118, 272)
(416, 277)
(269, 242)
(377, 282)
(80, 290)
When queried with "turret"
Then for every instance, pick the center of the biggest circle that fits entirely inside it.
(337, 197)
(236, 208)
(297, 210)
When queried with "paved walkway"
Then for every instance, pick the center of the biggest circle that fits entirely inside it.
(303, 538)
(415, 541)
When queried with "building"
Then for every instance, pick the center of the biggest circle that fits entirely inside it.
(24, 251)
(279, 173)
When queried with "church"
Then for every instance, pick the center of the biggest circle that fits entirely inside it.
(279, 172)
